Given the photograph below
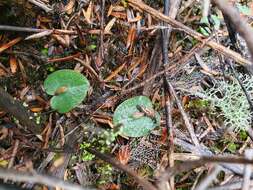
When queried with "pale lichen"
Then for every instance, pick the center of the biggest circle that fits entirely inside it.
(231, 100)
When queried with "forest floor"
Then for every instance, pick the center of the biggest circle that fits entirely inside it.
(186, 66)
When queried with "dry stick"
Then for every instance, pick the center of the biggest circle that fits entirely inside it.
(165, 37)
(230, 186)
(101, 51)
(13, 155)
(241, 25)
(138, 4)
(144, 183)
(188, 165)
(209, 178)
(180, 62)
(40, 179)
(247, 170)
(184, 115)
(34, 30)
(15, 108)
(41, 5)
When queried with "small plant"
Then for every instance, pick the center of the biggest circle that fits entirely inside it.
(101, 141)
(137, 117)
(231, 100)
(68, 88)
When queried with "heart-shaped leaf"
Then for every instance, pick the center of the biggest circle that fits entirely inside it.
(137, 117)
(68, 87)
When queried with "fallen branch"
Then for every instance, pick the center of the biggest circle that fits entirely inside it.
(40, 179)
(241, 25)
(16, 109)
(139, 5)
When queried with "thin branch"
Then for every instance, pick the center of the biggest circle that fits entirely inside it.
(188, 165)
(138, 4)
(41, 5)
(15, 108)
(34, 30)
(247, 170)
(209, 178)
(185, 117)
(40, 179)
(241, 25)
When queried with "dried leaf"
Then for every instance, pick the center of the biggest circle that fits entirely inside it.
(131, 36)
(164, 135)
(36, 109)
(2, 72)
(104, 121)
(48, 132)
(136, 19)
(69, 7)
(10, 44)
(109, 26)
(124, 154)
(119, 15)
(61, 40)
(3, 132)
(110, 10)
(87, 13)
(115, 72)
(13, 64)
(39, 35)
(22, 69)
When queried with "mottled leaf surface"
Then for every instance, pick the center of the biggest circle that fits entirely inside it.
(76, 85)
(132, 126)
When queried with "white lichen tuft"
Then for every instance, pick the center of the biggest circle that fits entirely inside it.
(231, 100)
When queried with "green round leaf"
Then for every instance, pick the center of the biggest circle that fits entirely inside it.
(134, 121)
(68, 87)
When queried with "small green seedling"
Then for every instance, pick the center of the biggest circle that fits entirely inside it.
(68, 88)
(137, 117)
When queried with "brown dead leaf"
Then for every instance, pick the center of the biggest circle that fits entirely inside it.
(131, 36)
(10, 44)
(69, 7)
(22, 69)
(115, 72)
(136, 19)
(13, 64)
(124, 154)
(36, 109)
(61, 40)
(47, 132)
(104, 121)
(119, 15)
(2, 72)
(87, 13)
(109, 26)
(39, 35)
(3, 132)
(110, 10)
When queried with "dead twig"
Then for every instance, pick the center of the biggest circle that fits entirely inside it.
(15, 108)
(138, 4)
(247, 170)
(241, 25)
(184, 115)
(41, 5)
(209, 178)
(40, 179)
